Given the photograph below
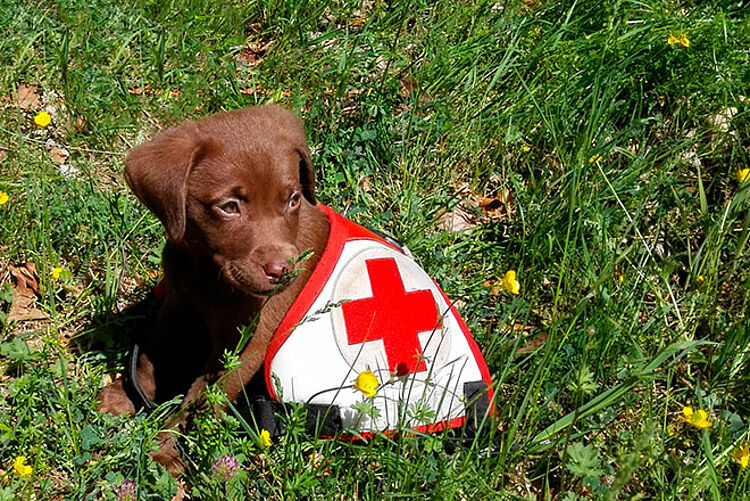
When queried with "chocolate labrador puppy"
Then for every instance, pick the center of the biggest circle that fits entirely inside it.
(236, 194)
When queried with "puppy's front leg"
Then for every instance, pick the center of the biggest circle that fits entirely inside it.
(232, 383)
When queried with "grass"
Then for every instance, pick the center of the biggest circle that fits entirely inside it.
(616, 155)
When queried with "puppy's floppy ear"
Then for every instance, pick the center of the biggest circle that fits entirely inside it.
(306, 175)
(157, 172)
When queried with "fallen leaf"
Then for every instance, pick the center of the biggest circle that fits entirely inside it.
(359, 16)
(25, 291)
(459, 219)
(253, 53)
(494, 285)
(365, 184)
(535, 343)
(408, 85)
(28, 270)
(80, 125)
(59, 155)
(350, 103)
(499, 205)
(28, 97)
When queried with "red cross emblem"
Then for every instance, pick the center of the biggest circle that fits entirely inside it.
(393, 315)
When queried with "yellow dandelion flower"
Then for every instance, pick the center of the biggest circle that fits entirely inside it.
(510, 283)
(698, 419)
(265, 438)
(367, 383)
(21, 467)
(4, 198)
(743, 175)
(681, 40)
(742, 454)
(56, 273)
(43, 119)
(595, 159)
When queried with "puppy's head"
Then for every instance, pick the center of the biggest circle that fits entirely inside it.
(230, 187)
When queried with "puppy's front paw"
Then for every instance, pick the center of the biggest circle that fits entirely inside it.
(114, 400)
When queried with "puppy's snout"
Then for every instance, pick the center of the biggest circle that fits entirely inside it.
(275, 270)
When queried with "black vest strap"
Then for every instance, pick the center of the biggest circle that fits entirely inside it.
(322, 420)
(325, 420)
(132, 387)
(477, 398)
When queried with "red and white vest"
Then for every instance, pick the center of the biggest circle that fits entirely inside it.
(369, 306)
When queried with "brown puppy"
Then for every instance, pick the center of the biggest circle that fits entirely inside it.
(235, 192)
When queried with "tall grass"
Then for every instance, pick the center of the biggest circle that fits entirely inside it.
(617, 154)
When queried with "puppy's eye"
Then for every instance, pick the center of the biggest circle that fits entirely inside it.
(294, 200)
(231, 207)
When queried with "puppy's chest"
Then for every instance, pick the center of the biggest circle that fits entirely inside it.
(224, 321)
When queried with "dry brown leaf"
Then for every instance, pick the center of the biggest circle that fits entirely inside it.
(28, 97)
(408, 85)
(253, 53)
(59, 155)
(465, 216)
(459, 219)
(495, 286)
(80, 125)
(25, 292)
(350, 103)
(535, 343)
(28, 270)
(499, 205)
(365, 184)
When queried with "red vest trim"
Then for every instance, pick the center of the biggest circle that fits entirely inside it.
(369, 306)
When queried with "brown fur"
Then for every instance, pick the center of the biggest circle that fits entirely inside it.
(221, 265)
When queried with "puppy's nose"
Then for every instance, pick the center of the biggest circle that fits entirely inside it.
(275, 270)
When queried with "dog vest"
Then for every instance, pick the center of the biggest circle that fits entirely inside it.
(368, 306)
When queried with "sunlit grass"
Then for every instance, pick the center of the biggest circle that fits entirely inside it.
(613, 149)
